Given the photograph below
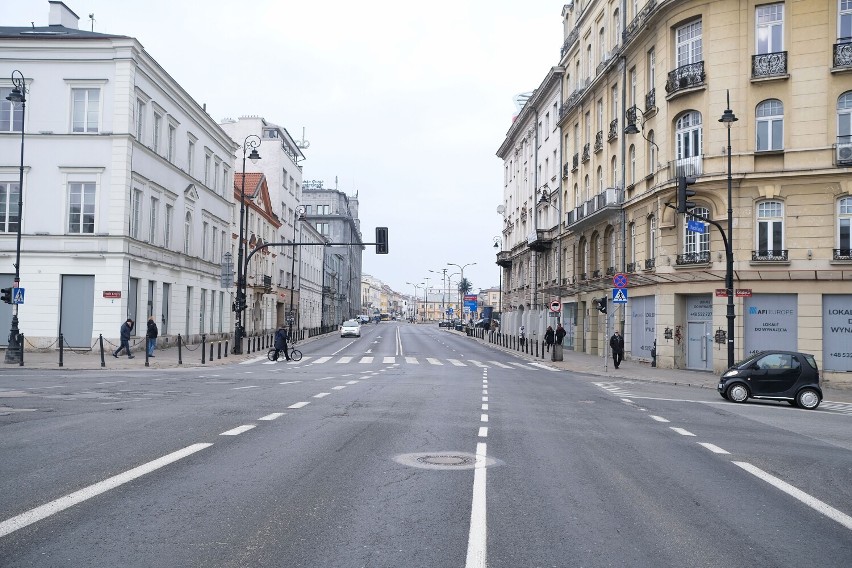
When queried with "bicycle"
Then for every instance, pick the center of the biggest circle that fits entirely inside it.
(295, 354)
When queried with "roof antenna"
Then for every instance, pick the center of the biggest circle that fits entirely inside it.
(92, 17)
(32, 24)
(303, 144)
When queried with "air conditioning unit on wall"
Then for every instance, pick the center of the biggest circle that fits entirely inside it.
(843, 153)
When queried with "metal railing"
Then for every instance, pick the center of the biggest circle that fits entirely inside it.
(702, 257)
(842, 254)
(769, 65)
(586, 153)
(599, 141)
(651, 100)
(686, 167)
(613, 129)
(650, 263)
(843, 53)
(685, 77)
(770, 255)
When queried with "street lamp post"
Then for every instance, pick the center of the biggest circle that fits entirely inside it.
(251, 141)
(291, 316)
(443, 272)
(727, 119)
(497, 244)
(426, 297)
(462, 280)
(15, 350)
(416, 286)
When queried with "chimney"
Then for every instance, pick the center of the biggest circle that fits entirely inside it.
(61, 15)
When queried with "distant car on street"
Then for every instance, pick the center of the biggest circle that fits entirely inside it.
(350, 328)
(485, 323)
(364, 319)
(774, 375)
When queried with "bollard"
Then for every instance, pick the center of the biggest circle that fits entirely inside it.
(22, 349)
(147, 364)
(180, 352)
(203, 348)
(101, 341)
(218, 350)
(226, 348)
(61, 349)
(210, 358)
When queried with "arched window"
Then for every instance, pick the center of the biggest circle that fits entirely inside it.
(187, 233)
(590, 62)
(844, 114)
(614, 172)
(616, 27)
(594, 261)
(652, 153)
(696, 246)
(688, 135)
(770, 125)
(613, 249)
(588, 189)
(632, 162)
(600, 180)
(770, 228)
(651, 246)
(844, 227)
(631, 244)
(578, 198)
(602, 44)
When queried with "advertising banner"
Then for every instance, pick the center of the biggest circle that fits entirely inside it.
(837, 332)
(770, 322)
(643, 319)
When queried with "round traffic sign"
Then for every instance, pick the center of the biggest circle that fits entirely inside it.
(555, 306)
(619, 280)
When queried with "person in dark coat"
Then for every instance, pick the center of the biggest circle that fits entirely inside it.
(124, 336)
(549, 337)
(281, 343)
(616, 343)
(560, 333)
(153, 332)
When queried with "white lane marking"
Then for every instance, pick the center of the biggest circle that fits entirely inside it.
(478, 363)
(344, 347)
(322, 395)
(238, 430)
(338, 387)
(412, 360)
(34, 515)
(484, 381)
(543, 366)
(351, 382)
(344, 360)
(484, 407)
(456, 362)
(56, 387)
(320, 360)
(483, 418)
(477, 540)
(388, 360)
(659, 418)
(299, 405)
(242, 388)
(324, 379)
(290, 383)
(484, 399)
(272, 416)
(501, 365)
(433, 361)
(256, 360)
(110, 382)
(483, 431)
(796, 493)
(713, 448)
(366, 360)
(681, 431)
(627, 400)
(346, 375)
(484, 391)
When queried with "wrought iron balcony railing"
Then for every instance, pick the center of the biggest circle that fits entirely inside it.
(583, 276)
(631, 267)
(610, 271)
(843, 53)
(636, 23)
(613, 129)
(842, 254)
(566, 169)
(586, 153)
(651, 101)
(575, 162)
(769, 65)
(702, 257)
(686, 167)
(599, 141)
(769, 255)
(685, 77)
(650, 263)
(569, 41)
(596, 274)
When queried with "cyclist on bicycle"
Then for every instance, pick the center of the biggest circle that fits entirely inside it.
(281, 342)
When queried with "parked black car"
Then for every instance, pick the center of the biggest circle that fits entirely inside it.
(774, 375)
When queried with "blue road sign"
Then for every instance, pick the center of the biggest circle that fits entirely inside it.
(17, 295)
(619, 280)
(619, 295)
(695, 226)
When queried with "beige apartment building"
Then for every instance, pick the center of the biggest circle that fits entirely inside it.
(644, 85)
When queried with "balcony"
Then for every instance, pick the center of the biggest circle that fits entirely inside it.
(631, 267)
(504, 259)
(613, 130)
(685, 77)
(599, 141)
(842, 254)
(596, 274)
(573, 99)
(586, 153)
(650, 263)
(843, 54)
(569, 41)
(582, 277)
(637, 22)
(777, 255)
(651, 101)
(262, 283)
(686, 259)
(575, 162)
(539, 240)
(686, 167)
(566, 169)
(610, 271)
(768, 65)
(608, 200)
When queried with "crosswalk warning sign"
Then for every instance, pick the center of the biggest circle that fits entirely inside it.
(619, 295)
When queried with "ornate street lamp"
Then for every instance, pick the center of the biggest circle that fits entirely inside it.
(252, 141)
(291, 316)
(727, 119)
(15, 350)
(461, 300)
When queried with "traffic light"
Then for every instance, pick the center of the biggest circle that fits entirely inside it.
(381, 240)
(600, 304)
(6, 295)
(683, 194)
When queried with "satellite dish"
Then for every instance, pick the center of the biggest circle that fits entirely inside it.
(500, 209)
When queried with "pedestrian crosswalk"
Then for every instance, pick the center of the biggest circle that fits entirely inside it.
(368, 359)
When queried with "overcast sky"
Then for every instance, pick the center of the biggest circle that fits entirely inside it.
(404, 102)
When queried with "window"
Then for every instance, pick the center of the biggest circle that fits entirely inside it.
(600, 180)
(588, 189)
(11, 115)
(844, 115)
(323, 229)
(770, 228)
(770, 125)
(590, 64)
(158, 127)
(205, 231)
(616, 27)
(652, 68)
(600, 114)
(187, 233)
(689, 43)
(190, 153)
(613, 251)
(769, 36)
(632, 158)
(844, 20)
(614, 172)
(613, 102)
(844, 226)
(632, 86)
(602, 44)
(207, 161)
(547, 125)
(171, 143)
(140, 118)
(217, 166)
(135, 213)
(81, 208)
(153, 220)
(696, 243)
(688, 135)
(10, 194)
(652, 153)
(631, 252)
(167, 226)
(85, 110)
(651, 249)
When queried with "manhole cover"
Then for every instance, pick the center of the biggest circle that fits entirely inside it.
(442, 460)
(455, 460)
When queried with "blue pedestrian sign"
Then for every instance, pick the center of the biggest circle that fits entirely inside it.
(695, 226)
(17, 295)
(619, 295)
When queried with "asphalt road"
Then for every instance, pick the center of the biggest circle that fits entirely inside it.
(413, 447)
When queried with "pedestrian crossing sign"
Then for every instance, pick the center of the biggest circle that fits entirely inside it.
(17, 295)
(619, 295)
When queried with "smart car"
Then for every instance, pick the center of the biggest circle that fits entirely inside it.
(774, 375)
(350, 328)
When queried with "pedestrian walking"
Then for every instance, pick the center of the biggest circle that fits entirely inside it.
(281, 337)
(549, 337)
(153, 332)
(616, 343)
(124, 337)
(560, 333)
(522, 336)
